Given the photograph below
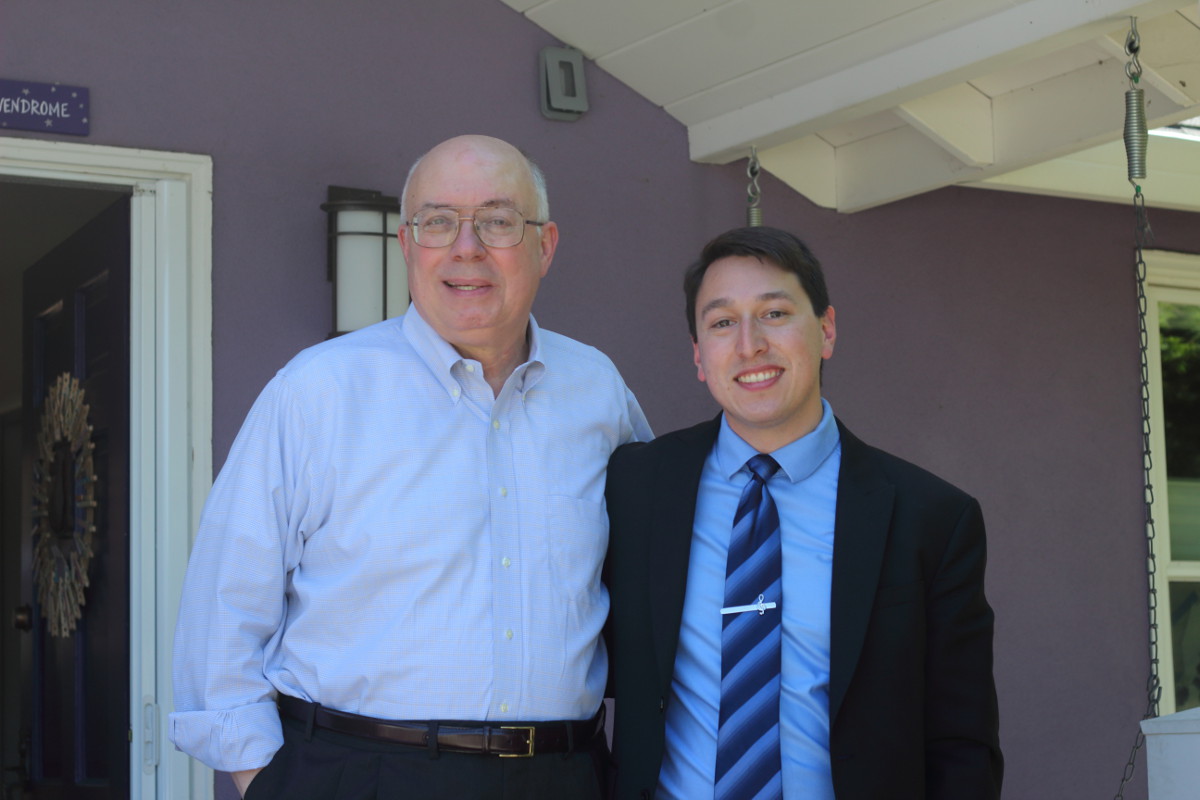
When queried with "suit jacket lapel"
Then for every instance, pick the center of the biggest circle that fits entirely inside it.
(864, 510)
(676, 485)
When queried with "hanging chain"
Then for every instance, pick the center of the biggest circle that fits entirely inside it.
(754, 216)
(1135, 151)
(1142, 237)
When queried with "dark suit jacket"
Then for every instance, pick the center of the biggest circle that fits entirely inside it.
(912, 703)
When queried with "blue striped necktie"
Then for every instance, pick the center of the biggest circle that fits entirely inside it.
(748, 764)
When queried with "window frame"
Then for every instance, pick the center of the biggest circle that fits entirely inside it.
(1174, 278)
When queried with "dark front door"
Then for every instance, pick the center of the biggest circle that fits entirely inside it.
(76, 354)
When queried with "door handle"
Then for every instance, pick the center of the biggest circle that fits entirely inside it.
(22, 618)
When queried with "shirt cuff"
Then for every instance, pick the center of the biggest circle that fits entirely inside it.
(229, 740)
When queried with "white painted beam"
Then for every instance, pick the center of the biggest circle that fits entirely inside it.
(1068, 113)
(810, 167)
(867, 173)
(831, 56)
(1100, 173)
(892, 166)
(1044, 121)
(1032, 125)
(524, 5)
(1023, 31)
(742, 38)
(600, 28)
(1169, 55)
(959, 119)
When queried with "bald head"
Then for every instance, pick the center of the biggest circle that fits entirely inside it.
(472, 152)
(477, 296)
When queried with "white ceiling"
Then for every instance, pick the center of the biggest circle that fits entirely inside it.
(856, 103)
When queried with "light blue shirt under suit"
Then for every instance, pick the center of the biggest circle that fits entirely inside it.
(805, 492)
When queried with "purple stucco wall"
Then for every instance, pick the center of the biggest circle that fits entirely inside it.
(988, 336)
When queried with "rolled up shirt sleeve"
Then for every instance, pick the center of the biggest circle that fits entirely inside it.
(229, 741)
(234, 596)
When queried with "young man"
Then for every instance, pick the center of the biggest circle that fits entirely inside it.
(794, 613)
(402, 525)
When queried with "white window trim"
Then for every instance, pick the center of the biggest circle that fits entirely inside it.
(1170, 277)
(170, 403)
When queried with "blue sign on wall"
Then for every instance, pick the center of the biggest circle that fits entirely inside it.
(46, 107)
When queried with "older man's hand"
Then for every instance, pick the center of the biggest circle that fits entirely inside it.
(242, 779)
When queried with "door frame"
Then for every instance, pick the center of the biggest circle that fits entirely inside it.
(170, 412)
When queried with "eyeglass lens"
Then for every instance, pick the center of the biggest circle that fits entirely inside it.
(496, 227)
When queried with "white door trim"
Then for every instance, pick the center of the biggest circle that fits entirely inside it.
(170, 403)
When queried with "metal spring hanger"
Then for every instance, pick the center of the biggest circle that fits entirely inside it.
(754, 217)
(1135, 108)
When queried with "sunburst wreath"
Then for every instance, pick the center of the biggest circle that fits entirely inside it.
(64, 506)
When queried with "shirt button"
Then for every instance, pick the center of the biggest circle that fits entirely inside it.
(470, 367)
(506, 562)
(456, 391)
(503, 492)
(496, 424)
(508, 634)
(504, 707)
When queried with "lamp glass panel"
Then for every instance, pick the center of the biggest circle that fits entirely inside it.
(397, 279)
(360, 222)
(393, 223)
(359, 281)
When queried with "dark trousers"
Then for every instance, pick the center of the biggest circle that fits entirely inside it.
(333, 766)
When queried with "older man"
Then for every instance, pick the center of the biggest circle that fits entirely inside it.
(794, 613)
(400, 558)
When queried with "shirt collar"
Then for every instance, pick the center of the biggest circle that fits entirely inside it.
(797, 460)
(441, 357)
(528, 374)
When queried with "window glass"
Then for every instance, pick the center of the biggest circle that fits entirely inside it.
(1179, 334)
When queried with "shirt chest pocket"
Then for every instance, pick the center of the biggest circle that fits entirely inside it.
(577, 535)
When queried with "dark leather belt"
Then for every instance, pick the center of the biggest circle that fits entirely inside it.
(506, 741)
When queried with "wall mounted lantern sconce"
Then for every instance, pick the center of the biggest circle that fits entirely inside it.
(366, 265)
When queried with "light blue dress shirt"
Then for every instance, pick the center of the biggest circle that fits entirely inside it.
(389, 538)
(805, 492)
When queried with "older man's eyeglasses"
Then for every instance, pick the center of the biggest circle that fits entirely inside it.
(496, 226)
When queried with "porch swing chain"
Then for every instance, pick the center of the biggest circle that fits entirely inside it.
(1135, 134)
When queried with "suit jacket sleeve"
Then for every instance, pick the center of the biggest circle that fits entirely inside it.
(961, 725)
(913, 709)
